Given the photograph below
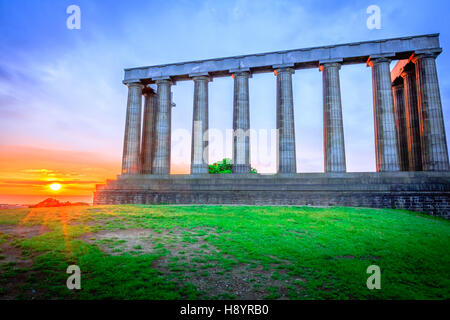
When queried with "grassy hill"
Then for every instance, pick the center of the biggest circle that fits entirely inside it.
(222, 252)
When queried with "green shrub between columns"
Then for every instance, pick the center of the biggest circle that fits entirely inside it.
(224, 166)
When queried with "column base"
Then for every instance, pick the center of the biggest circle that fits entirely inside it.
(199, 169)
(240, 168)
(160, 170)
(337, 168)
(287, 169)
(390, 170)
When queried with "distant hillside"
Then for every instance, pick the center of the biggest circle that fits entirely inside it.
(50, 202)
(13, 206)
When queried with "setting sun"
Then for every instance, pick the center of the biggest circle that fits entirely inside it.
(55, 186)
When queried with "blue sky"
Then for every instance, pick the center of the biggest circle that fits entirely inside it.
(61, 89)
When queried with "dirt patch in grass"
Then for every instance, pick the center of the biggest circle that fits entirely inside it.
(12, 288)
(12, 255)
(15, 263)
(121, 241)
(83, 223)
(23, 231)
(186, 255)
(243, 282)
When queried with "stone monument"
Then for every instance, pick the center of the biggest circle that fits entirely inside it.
(412, 165)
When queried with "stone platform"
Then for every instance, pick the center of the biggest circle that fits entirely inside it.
(427, 192)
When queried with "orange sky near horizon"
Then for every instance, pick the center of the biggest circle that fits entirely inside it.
(26, 173)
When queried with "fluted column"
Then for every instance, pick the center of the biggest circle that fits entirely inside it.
(161, 156)
(412, 119)
(132, 140)
(286, 159)
(386, 151)
(199, 153)
(241, 123)
(148, 130)
(431, 119)
(400, 125)
(333, 127)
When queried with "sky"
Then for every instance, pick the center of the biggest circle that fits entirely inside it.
(63, 104)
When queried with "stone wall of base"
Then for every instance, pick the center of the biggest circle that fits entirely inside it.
(421, 192)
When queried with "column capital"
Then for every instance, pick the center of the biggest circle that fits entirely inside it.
(161, 80)
(427, 53)
(200, 78)
(242, 72)
(379, 58)
(330, 63)
(164, 81)
(136, 83)
(326, 65)
(283, 69)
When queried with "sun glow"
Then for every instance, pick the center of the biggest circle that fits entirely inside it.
(55, 186)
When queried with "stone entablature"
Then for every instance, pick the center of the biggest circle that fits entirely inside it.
(350, 53)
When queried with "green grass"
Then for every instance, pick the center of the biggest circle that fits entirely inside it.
(296, 252)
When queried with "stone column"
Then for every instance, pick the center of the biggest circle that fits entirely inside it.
(431, 119)
(286, 159)
(161, 155)
(148, 130)
(386, 151)
(199, 150)
(132, 140)
(241, 123)
(400, 125)
(412, 118)
(333, 127)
